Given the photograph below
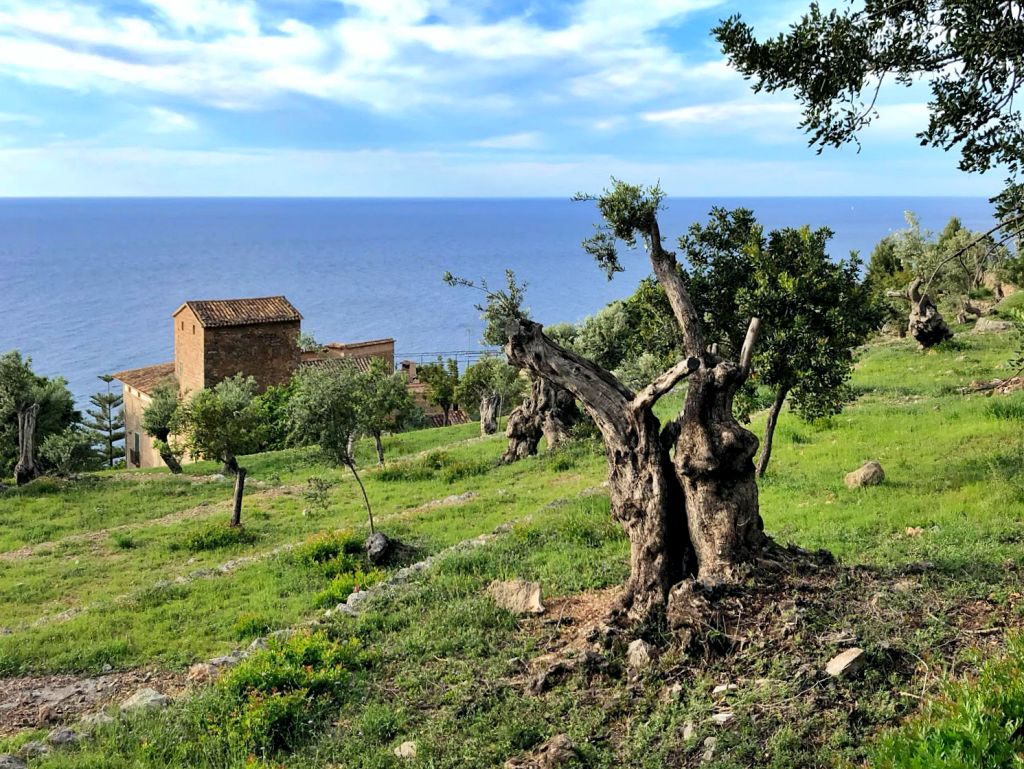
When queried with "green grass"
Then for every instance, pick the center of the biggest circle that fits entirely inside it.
(440, 664)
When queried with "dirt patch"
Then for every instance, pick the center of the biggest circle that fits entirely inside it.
(28, 702)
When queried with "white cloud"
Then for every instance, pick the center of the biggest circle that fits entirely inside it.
(167, 121)
(382, 53)
(735, 112)
(519, 141)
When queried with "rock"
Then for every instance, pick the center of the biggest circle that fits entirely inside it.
(688, 731)
(378, 548)
(62, 736)
(216, 477)
(550, 676)
(992, 324)
(258, 644)
(97, 719)
(517, 596)
(723, 688)
(846, 663)
(639, 655)
(8, 761)
(869, 474)
(723, 719)
(709, 750)
(227, 661)
(914, 531)
(34, 749)
(146, 699)
(406, 750)
(45, 714)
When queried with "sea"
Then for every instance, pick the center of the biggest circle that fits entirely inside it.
(88, 286)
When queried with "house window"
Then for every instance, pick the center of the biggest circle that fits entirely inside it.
(193, 329)
(183, 325)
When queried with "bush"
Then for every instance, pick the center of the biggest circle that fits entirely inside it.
(277, 697)
(123, 541)
(325, 548)
(217, 536)
(317, 496)
(68, 452)
(252, 626)
(976, 723)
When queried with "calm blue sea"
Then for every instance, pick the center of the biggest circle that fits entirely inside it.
(87, 286)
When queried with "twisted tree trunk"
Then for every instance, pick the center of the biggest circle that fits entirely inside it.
(549, 412)
(163, 447)
(925, 323)
(25, 470)
(688, 514)
(489, 414)
(769, 431)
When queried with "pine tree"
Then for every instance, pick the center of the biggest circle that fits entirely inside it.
(106, 422)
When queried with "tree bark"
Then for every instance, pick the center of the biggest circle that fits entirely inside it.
(769, 431)
(236, 513)
(646, 498)
(164, 449)
(366, 500)
(25, 470)
(230, 464)
(489, 414)
(549, 412)
(379, 445)
(925, 323)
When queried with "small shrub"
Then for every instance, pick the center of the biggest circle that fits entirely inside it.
(317, 496)
(380, 723)
(433, 465)
(344, 584)
(459, 470)
(277, 697)
(123, 541)
(406, 471)
(217, 536)
(327, 547)
(252, 626)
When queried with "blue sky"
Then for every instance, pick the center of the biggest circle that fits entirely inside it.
(418, 98)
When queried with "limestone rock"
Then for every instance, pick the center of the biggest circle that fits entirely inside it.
(723, 719)
(201, 672)
(62, 736)
(517, 596)
(846, 663)
(34, 749)
(688, 731)
(8, 761)
(146, 699)
(672, 693)
(378, 548)
(97, 719)
(869, 474)
(992, 324)
(639, 655)
(709, 750)
(724, 689)
(406, 750)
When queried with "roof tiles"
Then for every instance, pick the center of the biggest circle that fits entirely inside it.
(242, 312)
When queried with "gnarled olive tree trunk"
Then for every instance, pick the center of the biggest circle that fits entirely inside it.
(549, 412)
(686, 495)
(925, 323)
(25, 470)
(489, 414)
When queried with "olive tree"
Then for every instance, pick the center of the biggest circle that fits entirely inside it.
(32, 407)
(221, 423)
(684, 493)
(324, 411)
(491, 382)
(158, 418)
(383, 401)
(813, 310)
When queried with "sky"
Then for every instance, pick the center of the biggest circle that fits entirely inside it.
(415, 98)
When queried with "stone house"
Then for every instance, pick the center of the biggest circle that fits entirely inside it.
(216, 339)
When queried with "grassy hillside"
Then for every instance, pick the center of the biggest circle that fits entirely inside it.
(133, 569)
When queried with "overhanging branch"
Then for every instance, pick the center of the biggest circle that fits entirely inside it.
(664, 383)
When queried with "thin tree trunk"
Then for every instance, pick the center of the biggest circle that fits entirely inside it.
(230, 464)
(444, 420)
(769, 431)
(236, 514)
(25, 470)
(380, 449)
(164, 449)
(489, 405)
(362, 488)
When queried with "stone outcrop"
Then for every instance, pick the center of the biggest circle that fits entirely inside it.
(868, 474)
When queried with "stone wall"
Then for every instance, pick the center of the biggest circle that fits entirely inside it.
(269, 352)
(189, 340)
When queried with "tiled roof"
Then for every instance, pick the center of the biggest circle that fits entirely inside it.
(145, 379)
(361, 363)
(242, 312)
